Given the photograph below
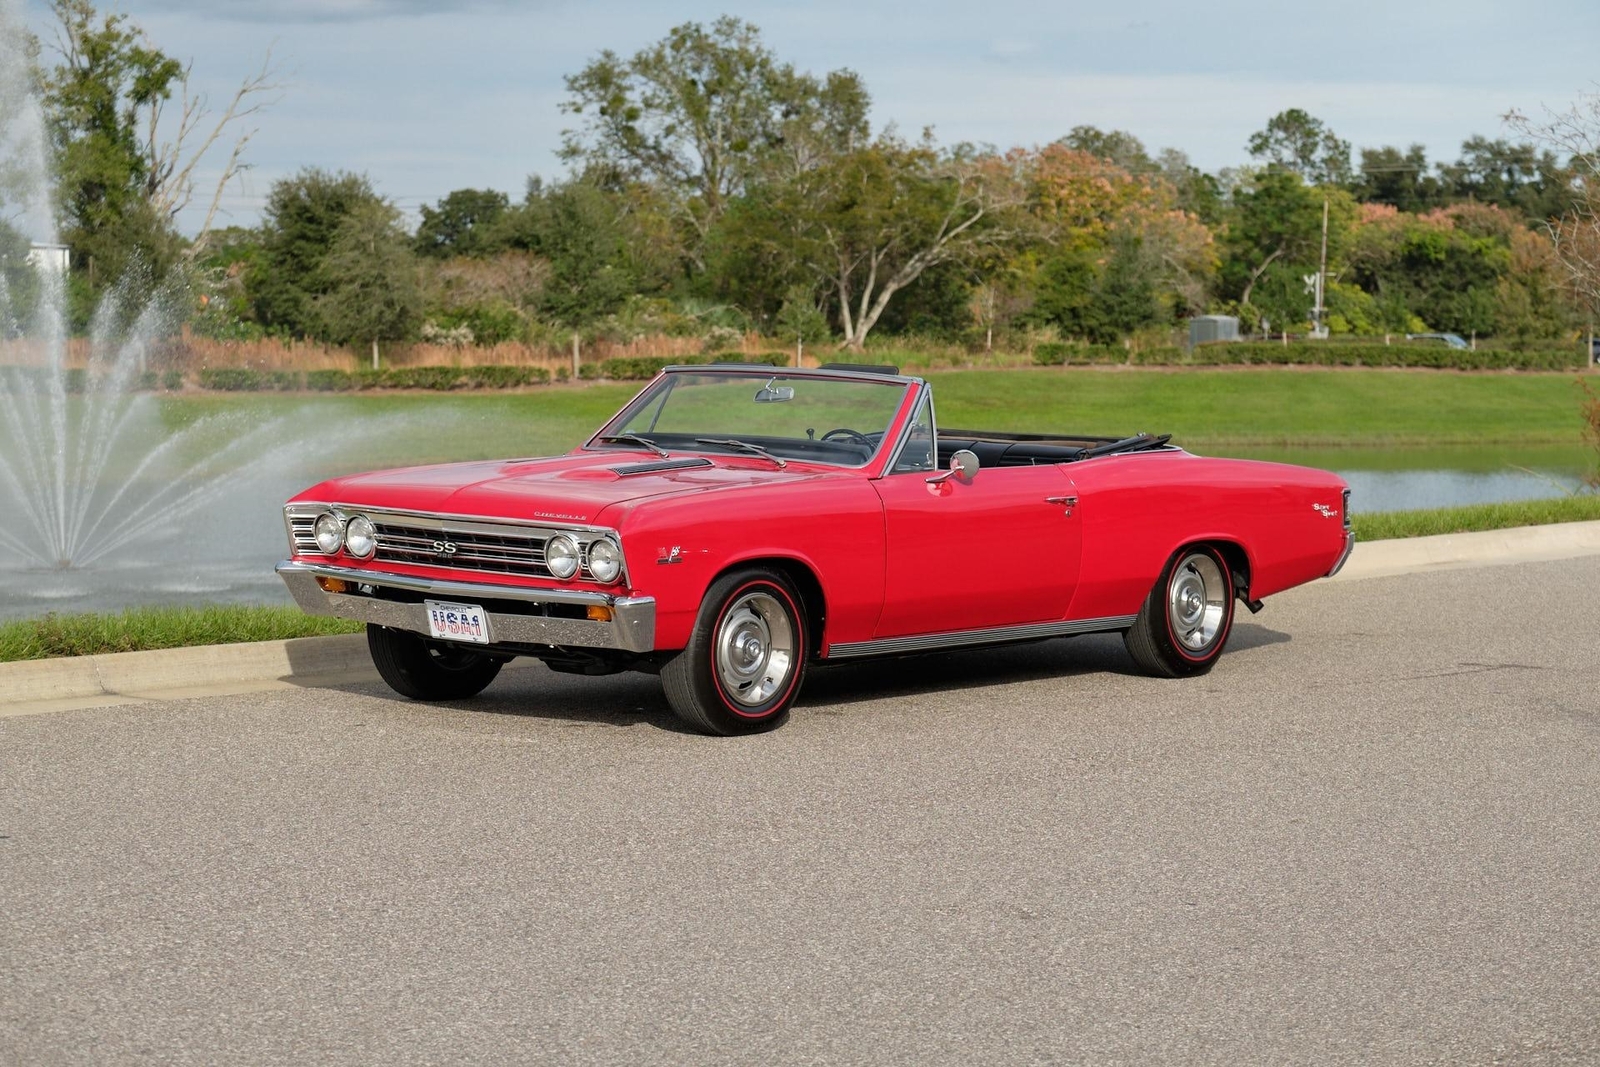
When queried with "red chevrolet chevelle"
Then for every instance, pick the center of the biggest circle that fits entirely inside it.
(734, 525)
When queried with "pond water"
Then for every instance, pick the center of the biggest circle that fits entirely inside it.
(224, 550)
(1404, 479)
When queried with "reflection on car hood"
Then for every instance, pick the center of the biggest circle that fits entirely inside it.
(574, 488)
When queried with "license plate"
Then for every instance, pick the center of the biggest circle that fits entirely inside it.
(457, 622)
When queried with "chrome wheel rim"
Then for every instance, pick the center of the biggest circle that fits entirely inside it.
(1197, 601)
(755, 649)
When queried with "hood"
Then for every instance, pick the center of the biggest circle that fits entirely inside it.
(574, 488)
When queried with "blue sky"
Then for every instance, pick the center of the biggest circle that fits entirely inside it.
(429, 97)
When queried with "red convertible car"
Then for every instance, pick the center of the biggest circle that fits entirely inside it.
(735, 525)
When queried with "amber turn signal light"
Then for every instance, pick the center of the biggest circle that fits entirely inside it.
(599, 613)
(333, 585)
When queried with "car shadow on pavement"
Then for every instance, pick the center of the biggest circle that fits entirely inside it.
(536, 692)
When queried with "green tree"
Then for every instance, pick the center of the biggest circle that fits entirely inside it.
(1296, 141)
(1518, 176)
(700, 113)
(1117, 147)
(1399, 179)
(107, 83)
(372, 293)
(124, 166)
(303, 216)
(800, 319)
(464, 223)
(581, 231)
(869, 223)
(1274, 238)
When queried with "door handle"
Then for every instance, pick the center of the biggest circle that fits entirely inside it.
(1067, 502)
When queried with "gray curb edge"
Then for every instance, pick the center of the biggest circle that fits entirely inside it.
(85, 681)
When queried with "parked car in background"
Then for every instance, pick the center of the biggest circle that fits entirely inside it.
(734, 526)
(1454, 340)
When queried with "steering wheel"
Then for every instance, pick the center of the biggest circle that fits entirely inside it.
(854, 436)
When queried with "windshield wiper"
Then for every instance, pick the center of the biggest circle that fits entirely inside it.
(635, 439)
(743, 446)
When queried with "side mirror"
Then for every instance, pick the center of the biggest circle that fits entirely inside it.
(963, 467)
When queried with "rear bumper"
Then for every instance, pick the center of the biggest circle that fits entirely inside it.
(1349, 547)
(632, 627)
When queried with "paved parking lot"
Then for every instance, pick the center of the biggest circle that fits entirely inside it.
(1372, 835)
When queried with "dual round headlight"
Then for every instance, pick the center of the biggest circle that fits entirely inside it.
(358, 537)
(564, 558)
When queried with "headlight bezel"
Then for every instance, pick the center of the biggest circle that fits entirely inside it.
(359, 528)
(611, 561)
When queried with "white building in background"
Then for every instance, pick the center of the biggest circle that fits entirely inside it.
(52, 258)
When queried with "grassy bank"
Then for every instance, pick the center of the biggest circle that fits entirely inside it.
(141, 629)
(151, 628)
(1386, 525)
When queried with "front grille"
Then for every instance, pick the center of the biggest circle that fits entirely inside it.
(463, 548)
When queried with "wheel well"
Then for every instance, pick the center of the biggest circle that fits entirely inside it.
(1238, 563)
(806, 584)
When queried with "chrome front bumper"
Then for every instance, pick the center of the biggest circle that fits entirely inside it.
(632, 627)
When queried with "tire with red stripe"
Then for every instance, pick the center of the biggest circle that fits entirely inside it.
(746, 658)
(1186, 619)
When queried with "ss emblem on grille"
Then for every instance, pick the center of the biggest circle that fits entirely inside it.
(444, 548)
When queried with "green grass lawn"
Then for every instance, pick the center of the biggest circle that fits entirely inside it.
(1203, 408)
(1269, 406)
(141, 629)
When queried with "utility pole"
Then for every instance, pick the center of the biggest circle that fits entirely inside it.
(1322, 276)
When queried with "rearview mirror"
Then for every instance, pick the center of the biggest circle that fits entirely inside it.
(770, 394)
(963, 467)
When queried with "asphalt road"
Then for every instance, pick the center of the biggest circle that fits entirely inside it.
(1371, 835)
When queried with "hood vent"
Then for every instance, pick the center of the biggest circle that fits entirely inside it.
(659, 465)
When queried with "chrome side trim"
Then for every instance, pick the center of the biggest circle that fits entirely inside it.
(972, 638)
(633, 628)
(1349, 547)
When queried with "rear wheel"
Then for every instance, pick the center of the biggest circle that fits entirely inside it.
(1186, 619)
(429, 670)
(746, 658)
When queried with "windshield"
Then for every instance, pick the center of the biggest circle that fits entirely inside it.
(825, 420)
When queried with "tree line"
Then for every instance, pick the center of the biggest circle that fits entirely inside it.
(714, 189)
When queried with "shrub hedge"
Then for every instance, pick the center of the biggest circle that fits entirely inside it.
(1442, 357)
(437, 379)
(1315, 354)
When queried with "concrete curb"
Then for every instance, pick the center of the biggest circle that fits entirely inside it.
(1520, 544)
(38, 686)
(136, 674)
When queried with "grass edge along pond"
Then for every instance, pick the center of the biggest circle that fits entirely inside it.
(143, 629)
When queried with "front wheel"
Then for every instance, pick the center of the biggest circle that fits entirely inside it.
(745, 659)
(1186, 619)
(428, 670)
